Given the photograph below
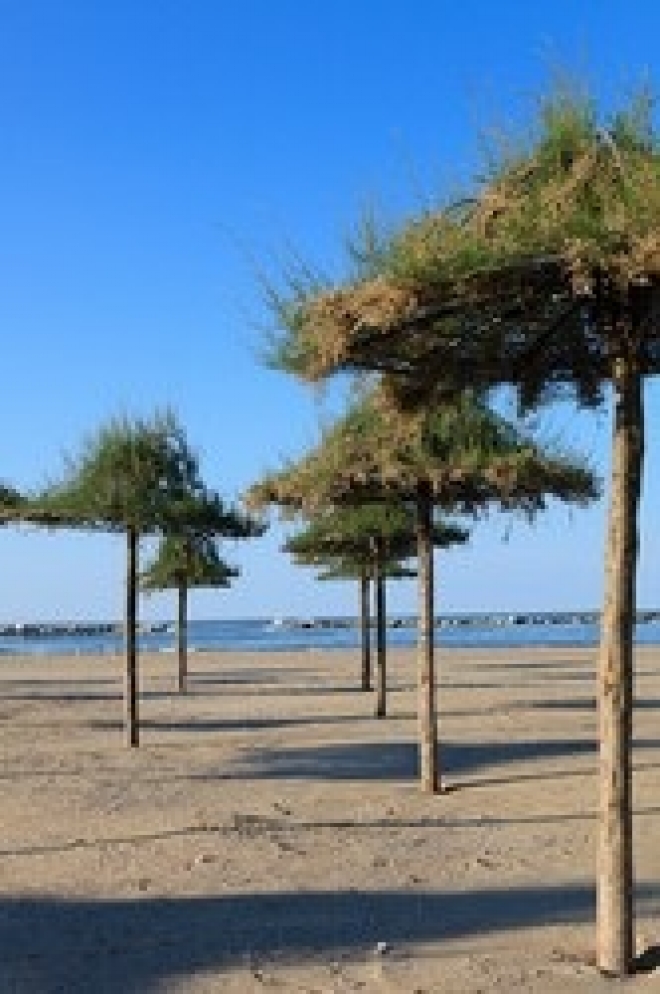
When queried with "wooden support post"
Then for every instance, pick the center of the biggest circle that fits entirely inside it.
(365, 631)
(381, 640)
(131, 715)
(615, 681)
(182, 637)
(428, 732)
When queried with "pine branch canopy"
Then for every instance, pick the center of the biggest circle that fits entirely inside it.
(346, 569)
(136, 474)
(468, 456)
(185, 561)
(140, 474)
(20, 508)
(348, 534)
(542, 278)
(11, 500)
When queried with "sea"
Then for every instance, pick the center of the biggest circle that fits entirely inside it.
(275, 635)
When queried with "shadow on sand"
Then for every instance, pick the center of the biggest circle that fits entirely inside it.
(212, 725)
(581, 704)
(135, 946)
(398, 760)
(131, 946)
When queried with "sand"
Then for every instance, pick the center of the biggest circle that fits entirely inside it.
(269, 833)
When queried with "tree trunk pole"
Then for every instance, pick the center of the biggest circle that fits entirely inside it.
(182, 636)
(131, 716)
(381, 641)
(615, 912)
(365, 631)
(428, 731)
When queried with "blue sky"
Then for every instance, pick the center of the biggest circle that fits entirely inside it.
(156, 155)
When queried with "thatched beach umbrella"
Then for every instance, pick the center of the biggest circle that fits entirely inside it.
(548, 279)
(347, 569)
(183, 563)
(458, 458)
(375, 537)
(137, 477)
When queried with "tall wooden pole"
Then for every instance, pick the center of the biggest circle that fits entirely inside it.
(182, 635)
(365, 630)
(428, 732)
(381, 641)
(131, 716)
(615, 913)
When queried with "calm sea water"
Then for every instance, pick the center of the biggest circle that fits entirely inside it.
(267, 636)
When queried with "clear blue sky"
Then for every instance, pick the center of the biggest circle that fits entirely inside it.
(156, 153)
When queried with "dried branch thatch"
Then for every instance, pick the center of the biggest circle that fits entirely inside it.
(528, 284)
(466, 454)
(193, 562)
(348, 533)
(346, 569)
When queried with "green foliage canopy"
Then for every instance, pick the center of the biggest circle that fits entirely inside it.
(346, 535)
(348, 569)
(131, 474)
(10, 499)
(535, 279)
(466, 454)
(189, 562)
(142, 475)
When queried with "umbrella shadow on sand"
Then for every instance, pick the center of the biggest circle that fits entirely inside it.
(398, 760)
(135, 946)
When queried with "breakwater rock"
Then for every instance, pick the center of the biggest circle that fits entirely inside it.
(485, 620)
(74, 628)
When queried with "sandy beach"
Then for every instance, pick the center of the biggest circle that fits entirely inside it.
(269, 833)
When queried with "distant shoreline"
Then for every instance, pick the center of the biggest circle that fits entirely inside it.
(47, 629)
(552, 629)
